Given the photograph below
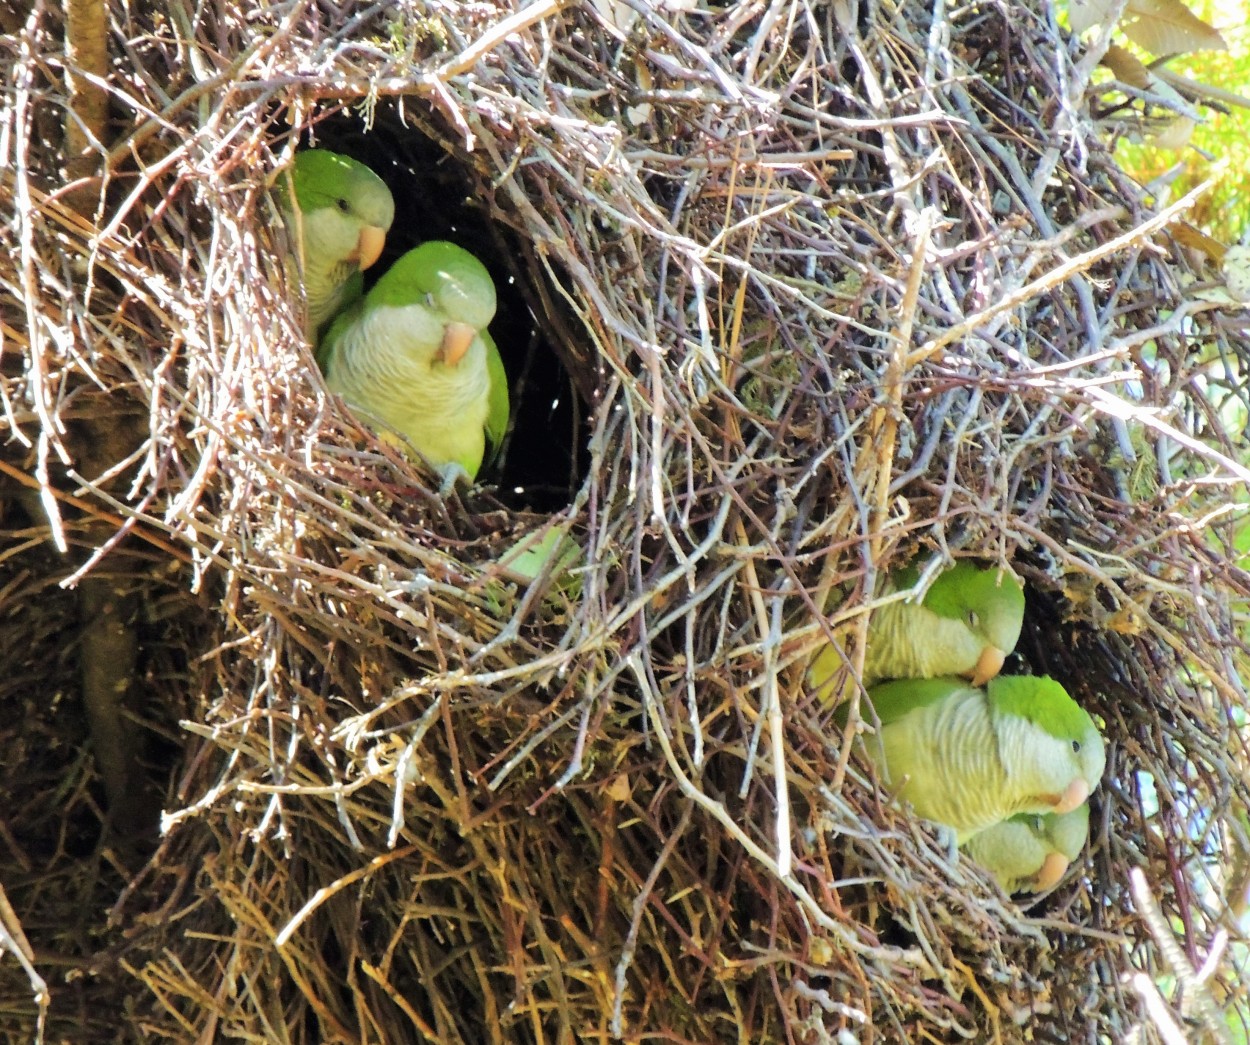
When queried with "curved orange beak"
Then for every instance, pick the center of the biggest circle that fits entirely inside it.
(369, 246)
(1076, 793)
(1053, 868)
(457, 337)
(989, 664)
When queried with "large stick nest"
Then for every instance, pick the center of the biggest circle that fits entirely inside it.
(812, 292)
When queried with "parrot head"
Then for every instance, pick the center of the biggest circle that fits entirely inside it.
(1053, 740)
(454, 288)
(1065, 835)
(988, 607)
(1031, 852)
(346, 208)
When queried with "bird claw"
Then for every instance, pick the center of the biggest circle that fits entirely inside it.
(451, 474)
(949, 838)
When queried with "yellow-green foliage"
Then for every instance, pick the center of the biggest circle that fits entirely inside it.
(1221, 146)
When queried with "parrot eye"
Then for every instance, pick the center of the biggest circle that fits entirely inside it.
(343, 205)
(1076, 746)
(974, 618)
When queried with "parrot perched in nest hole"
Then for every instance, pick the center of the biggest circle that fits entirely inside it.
(339, 226)
(970, 758)
(1030, 852)
(415, 354)
(966, 624)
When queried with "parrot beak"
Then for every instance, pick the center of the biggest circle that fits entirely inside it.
(989, 664)
(457, 337)
(1074, 796)
(369, 246)
(1053, 868)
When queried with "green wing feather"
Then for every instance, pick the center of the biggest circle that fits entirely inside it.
(497, 418)
(892, 700)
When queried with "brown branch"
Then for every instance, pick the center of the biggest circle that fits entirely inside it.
(86, 52)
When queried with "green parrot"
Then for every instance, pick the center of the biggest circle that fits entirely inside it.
(415, 354)
(339, 224)
(966, 624)
(1030, 852)
(970, 758)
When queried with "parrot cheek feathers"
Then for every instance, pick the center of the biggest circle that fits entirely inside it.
(1053, 868)
(988, 665)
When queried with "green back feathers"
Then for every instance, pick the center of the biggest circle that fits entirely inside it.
(893, 700)
(443, 275)
(1043, 701)
(989, 600)
(327, 179)
(1036, 699)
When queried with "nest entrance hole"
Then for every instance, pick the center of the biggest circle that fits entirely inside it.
(545, 455)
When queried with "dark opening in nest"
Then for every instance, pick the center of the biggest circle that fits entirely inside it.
(439, 196)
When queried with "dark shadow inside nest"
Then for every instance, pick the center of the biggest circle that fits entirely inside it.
(545, 454)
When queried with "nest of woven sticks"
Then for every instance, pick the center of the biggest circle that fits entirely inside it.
(790, 295)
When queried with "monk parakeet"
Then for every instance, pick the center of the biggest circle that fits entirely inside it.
(1030, 852)
(970, 758)
(339, 226)
(966, 624)
(415, 355)
(551, 552)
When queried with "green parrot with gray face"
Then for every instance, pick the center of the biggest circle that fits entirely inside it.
(339, 224)
(970, 758)
(966, 624)
(415, 355)
(1030, 852)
